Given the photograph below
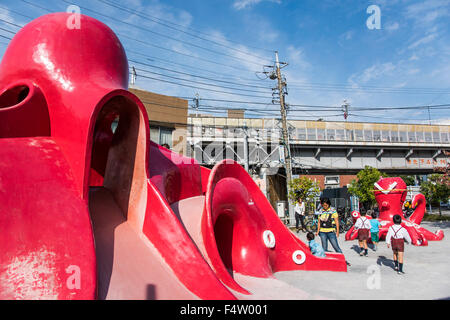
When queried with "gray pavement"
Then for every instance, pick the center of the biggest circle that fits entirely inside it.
(427, 272)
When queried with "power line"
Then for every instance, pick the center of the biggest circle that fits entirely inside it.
(196, 68)
(202, 83)
(5, 37)
(145, 42)
(170, 25)
(197, 76)
(165, 36)
(299, 85)
(201, 88)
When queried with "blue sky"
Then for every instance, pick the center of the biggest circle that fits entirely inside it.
(331, 53)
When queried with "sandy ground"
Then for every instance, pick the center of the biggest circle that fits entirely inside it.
(427, 273)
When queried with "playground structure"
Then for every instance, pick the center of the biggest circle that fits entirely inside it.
(87, 212)
(390, 194)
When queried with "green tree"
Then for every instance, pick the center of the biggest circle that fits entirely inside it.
(362, 187)
(304, 188)
(409, 180)
(436, 189)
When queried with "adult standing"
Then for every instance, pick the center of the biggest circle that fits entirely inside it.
(300, 214)
(328, 226)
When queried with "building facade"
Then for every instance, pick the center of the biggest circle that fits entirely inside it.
(330, 152)
(167, 119)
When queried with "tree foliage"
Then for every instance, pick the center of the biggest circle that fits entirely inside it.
(409, 180)
(436, 189)
(362, 187)
(304, 188)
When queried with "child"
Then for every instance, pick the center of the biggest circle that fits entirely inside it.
(396, 237)
(363, 226)
(374, 230)
(316, 249)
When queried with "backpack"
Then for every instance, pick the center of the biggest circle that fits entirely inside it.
(328, 223)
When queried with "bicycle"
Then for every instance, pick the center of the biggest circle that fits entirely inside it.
(311, 223)
(345, 220)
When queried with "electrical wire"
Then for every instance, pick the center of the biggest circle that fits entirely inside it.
(170, 25)
(196, 76)
(201, 88)
(165, 36)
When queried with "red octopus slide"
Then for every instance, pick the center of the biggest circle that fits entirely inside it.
(390, 194)
(88, 211)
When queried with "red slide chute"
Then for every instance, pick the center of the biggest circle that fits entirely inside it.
(87, 212)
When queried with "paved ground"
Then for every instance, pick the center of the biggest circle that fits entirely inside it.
(373, 277)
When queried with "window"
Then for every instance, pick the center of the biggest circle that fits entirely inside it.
(218, 132)
(394, 136)
(359, 135)
(154, 134)
(411, 136)
(444, 137)
(161, 135)
(165, 136)
(428, 137)
(385, 136)
(311, 134)
(330, 134)
(301, 134)
(436, 137)
(367, 135)
(350, 135)
(333, 180)
(419, 136)
(376, 135)
(402, 136)
(320, 134)
(340, 135)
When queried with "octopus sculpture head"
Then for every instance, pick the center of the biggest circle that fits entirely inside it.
(390, 193)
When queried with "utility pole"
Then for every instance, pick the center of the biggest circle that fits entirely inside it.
(246, 155)
(345, 106)
(196, 101)
(133, 76)
(287, 152)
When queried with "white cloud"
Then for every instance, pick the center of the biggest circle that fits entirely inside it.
(392, 26)
(423, 40)
(427, 12)
(374, 72)
(242, 4)
(5, 15)
(413, 71)
(296, 57)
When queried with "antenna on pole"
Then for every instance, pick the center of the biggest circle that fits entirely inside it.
(133, 76)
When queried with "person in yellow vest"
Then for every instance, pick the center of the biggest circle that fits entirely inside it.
(328, 226)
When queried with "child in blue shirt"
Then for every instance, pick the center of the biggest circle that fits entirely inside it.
(374, 230)
(316, 249)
